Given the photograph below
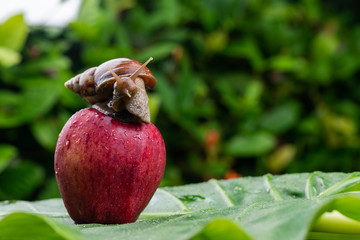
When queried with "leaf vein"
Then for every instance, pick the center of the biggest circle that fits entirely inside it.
(228, 200)
(270, 188)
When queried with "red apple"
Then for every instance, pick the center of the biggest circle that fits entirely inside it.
(110, 159)
(107, 171)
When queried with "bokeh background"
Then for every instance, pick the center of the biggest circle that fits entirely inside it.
(245, 87)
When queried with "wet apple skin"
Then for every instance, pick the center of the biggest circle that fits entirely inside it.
(107, 171)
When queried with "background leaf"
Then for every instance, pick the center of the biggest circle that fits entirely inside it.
(281, 118)
(7, 153)
(252, 145)
(36, 227)
(9, 57)
(219, 228)
(24, 176)
(13, 33)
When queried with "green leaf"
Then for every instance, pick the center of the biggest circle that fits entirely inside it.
(157, 51)
(281, 118)
(216, 41)
(325, 44)
(38, 100)
(90, 11)
(186, 85)
(335, 222)
(352, 183)
(14, 226)
(219, 228)
(249, 49)
(51, 208)
(312, 9)
(16, 109)
(256, 144)
(50, 190)
(85, 31)
(24, 177)
(286, 63)
(95, 55)
(267, 207)
(8, 106)
(9, 57)
(154, 105)
(7, 153)
(13, 33)
(46, 131)
(168, 14)
(167, 94)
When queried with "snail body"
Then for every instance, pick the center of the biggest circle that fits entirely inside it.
(117, 88)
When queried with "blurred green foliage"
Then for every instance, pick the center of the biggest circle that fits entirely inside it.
(244, 87)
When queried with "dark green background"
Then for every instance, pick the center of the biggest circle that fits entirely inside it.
(245, 87)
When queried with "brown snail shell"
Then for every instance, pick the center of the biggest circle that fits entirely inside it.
(99, 87)
(96, 84)
(122, 67)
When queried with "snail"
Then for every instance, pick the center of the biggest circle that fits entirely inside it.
(117, 88)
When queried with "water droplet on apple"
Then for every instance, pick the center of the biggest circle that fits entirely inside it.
(137, 137)
(67, 144)
(106, 133)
